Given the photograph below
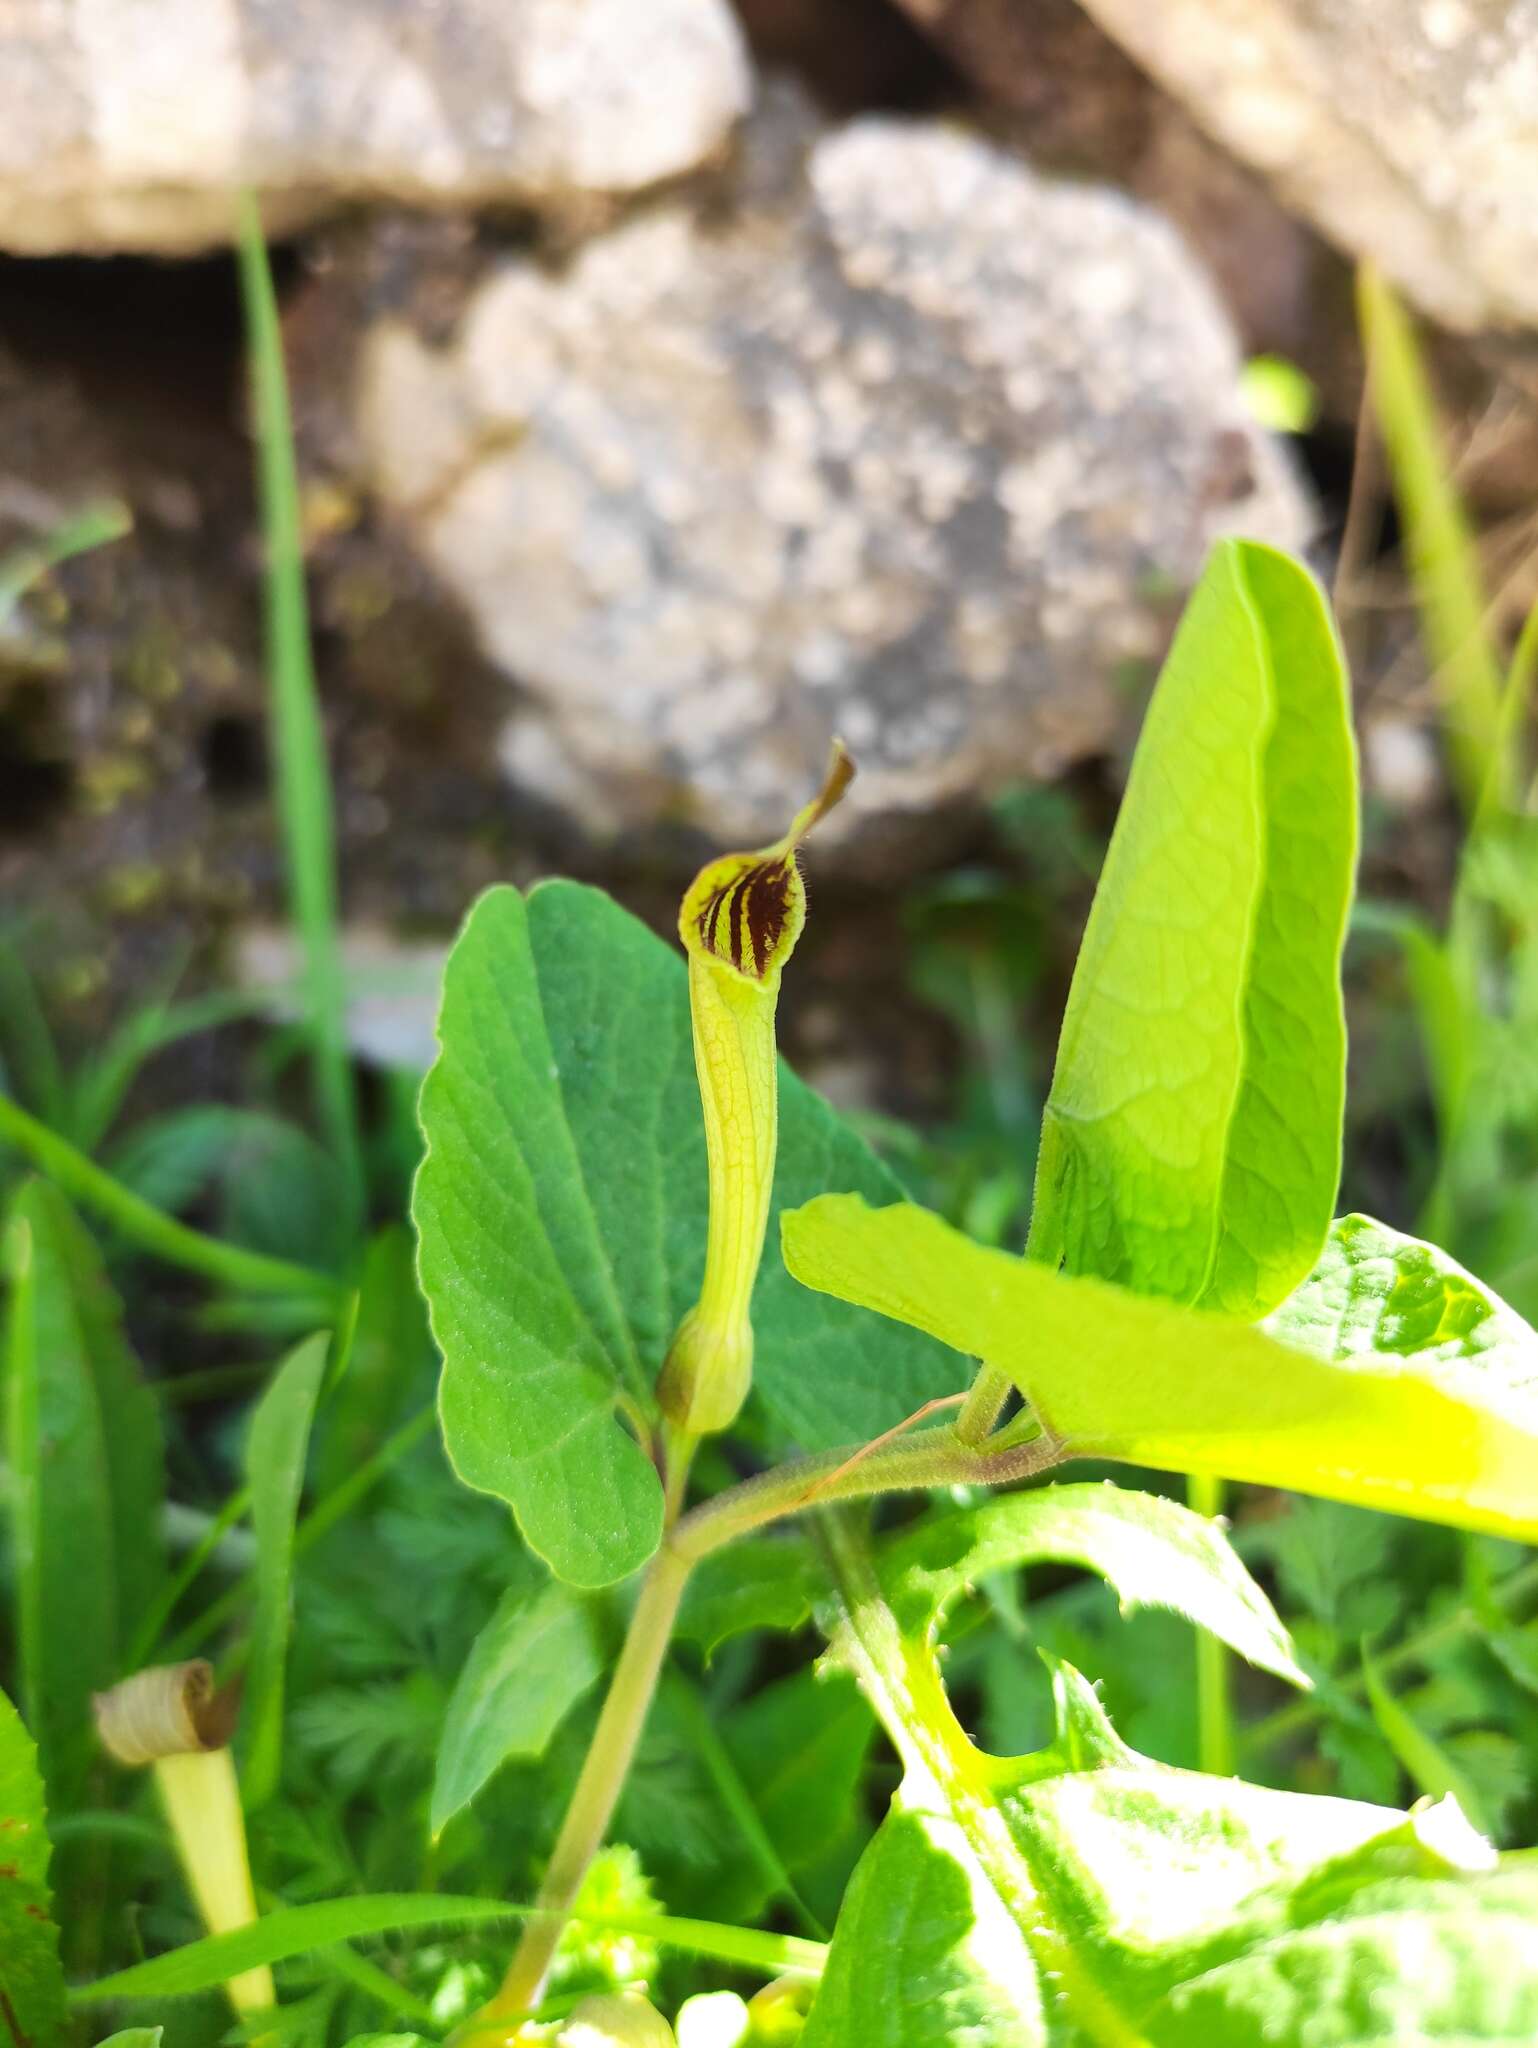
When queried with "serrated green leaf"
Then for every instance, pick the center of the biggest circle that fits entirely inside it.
(1114, 1375)
(1153, 1552)
(275, 1459)
(1191, 1140)
(760, 1582)
(531, 1663)
(87, 1477)
(561, 1214)
(31, 1981)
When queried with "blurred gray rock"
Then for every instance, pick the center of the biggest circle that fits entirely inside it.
(129, 124)
(1406, 129)
(910, 445)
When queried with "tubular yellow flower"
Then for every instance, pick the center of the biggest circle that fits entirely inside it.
(740, 920)
(171, 1718)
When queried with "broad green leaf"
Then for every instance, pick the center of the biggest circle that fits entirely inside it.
(1191, 1141)
(275, 1460)
(527, 1668)
(561, 1213)
(760, 1582)
(296, 1930)
(925, 1954)
(1430, 1769)
(31, 1980)
(1096, 1897)
(1113, 1375)
(1154, 1553)
(137, 2037)
(83, 1443)
(1392, 1947)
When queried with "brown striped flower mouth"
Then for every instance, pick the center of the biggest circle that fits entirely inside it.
(746, 910)
(743, 919)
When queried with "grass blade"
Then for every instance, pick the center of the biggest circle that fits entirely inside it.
(299, 745)
(275, 1458)
(1439, 547)
(228, 1264)
(296, 1930)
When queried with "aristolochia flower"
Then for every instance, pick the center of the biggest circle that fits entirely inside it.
(740, 920)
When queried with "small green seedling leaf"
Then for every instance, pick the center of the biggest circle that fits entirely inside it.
(1191, 1140)
(562, 1213)
(528, 1667)
(87, 1476)
(1153, 1552)
(32, 2006)
(1114, 1375)
(275, 1461)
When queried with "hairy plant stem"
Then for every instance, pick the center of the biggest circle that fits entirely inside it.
(984, 1404)
(598, 1788)
(934, 1458)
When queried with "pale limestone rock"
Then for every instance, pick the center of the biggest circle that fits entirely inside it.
(130, 124)
(1406, 129)
(914, 446)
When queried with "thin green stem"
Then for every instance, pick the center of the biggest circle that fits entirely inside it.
(1420, 1644)
(299, 741)
(599, 1785)
(1216, 1746)
(150, 1228)
(678, 1449)
(931, 1459)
